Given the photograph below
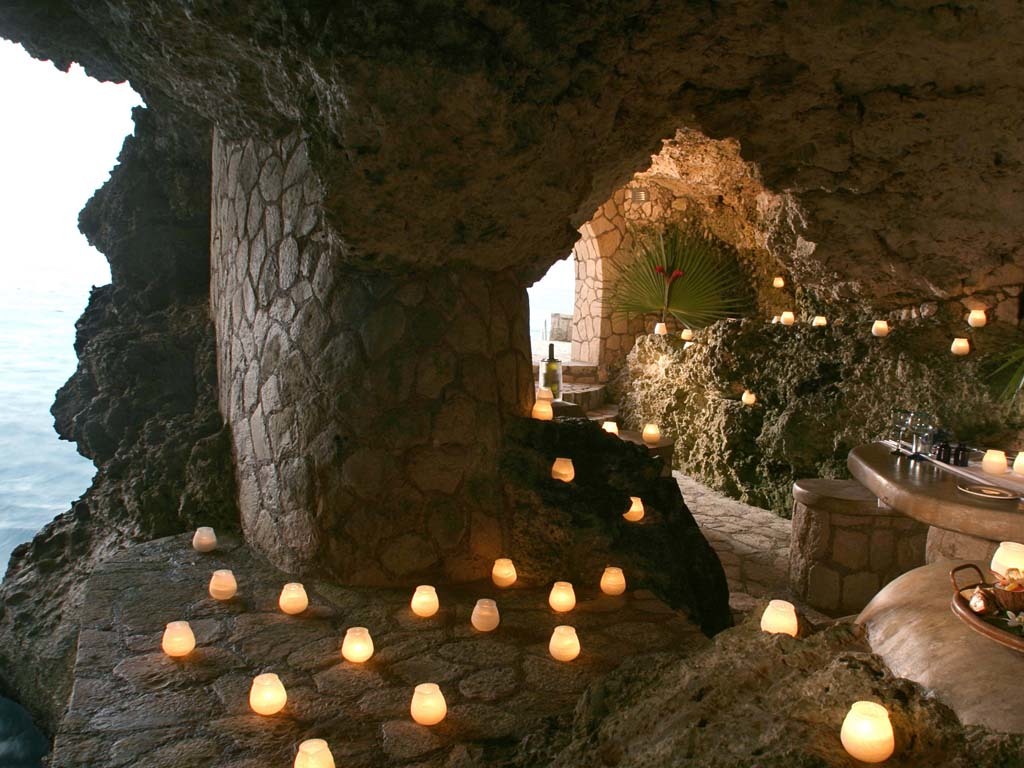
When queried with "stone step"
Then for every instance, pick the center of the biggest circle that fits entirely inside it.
(606, 412)
(587, 396)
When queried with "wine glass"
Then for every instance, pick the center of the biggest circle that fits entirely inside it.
(900, 419)
(922, 428)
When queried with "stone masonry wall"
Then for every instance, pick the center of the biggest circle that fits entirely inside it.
(366, 410)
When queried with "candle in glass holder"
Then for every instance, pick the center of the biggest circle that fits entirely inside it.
(779, 618)
(428, 706)
(613, 582)
(611, 427)
(635, 513)
(651, 434)
(748, 397)
(424, 601)
(687, 334)
(819, 321)
(977, 318)
(223, 585)
(1018, 463)
(775, 319)
(1009, 554)
(880, 328)
(787, 318)
(542, 410)
(503, 574)
(564, 644)
(867, 733)
(178, 639)
(293, 599)
(267, 695)
(485, 615)
(562, 597)
(563, 470)
(960, 346)
(778, 282)
(994, 462)
(204, 540)
(660, 329)
(357, 646)
(314, 753)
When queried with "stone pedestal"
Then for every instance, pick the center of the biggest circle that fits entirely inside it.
(845, 547)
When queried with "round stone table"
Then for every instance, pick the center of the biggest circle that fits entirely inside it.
(962, 527)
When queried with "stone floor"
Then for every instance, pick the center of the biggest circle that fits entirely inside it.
(752, 543)
(132, 705)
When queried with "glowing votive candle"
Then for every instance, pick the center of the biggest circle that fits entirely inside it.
(1009, 554)
(542, 410)
(485, 615)
(293, 599)
(611, 427)
(687, 334)
(314, 753)
(651, 434)
(204, 540)
(778, 282)
(564, 644)
(424, 601)
(748, 397)
(960, 346)
(977, 318)
(545, 393)
(178, 639)
(660, 329)
(867, 733)
(223, 585)
(613, 582)
(880, 328)
(428, 706)
(267, 695)
(1018, 463)
(819, 321)
(775, 319)
(357, 646)
(563, 470)
(787, 318)
(635, 513)
(562, 597)
(503, 574)
(994, 462)
(779, 618)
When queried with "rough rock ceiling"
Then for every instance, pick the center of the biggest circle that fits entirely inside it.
(486, 132)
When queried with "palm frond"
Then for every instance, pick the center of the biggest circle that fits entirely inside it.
(1011, 363)
(710, 289)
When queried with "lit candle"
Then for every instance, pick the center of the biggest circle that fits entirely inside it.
(635, 513)
(977, 318)
(485, 615)
(748, 398)
(819, 321)
(660, 329)
(775, 319)
(687, 334)
(1018, 463)
(779, 618)
(787, 318)
(880, 328)
(562, 597)
(563, 470)
(545, 393)
(314, 753)
(428, 706)
(204, 540)
(293, 599)
(1009, 554)
(424, 601)
(503, 574)
(613, 582)
(611, 427)
(564, 645)
(267, 695)
(357, 646)
(778, 282)
(178, 639)
(542, 410)
(651, 434)
(994, 462)
(867, 733)
(223, 585)
(960, 346)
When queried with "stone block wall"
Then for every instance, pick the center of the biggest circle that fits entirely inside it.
(365, 409)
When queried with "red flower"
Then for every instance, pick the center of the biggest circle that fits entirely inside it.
(677, 273)
(660, 270)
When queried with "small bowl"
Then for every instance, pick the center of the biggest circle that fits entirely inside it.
(1008, 601)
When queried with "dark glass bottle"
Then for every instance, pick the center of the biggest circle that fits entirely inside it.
(961, 454)
(944, 452)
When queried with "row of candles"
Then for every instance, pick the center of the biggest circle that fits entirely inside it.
(267, 695)
(994, 463)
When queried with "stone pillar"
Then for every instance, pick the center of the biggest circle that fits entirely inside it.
(845, 547)
(366, 409)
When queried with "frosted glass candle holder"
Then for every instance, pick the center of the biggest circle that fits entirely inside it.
(778, 282)
(267, 695)
(1018, 464)
(635, 513)
(562, 597)
(1009, 554)
(314, 753)
(819, 321)
(503, 574)
(651, 434)
(428, 706)
(779, 618)
(660, 329)
(564, 644)
(867, 733)
(424, 601)
(748, 397)
(542, 411)
(178, 639)
(485, 616)
(787, 318)
(223, 585)
(613, 581)
(687, 334)
(610, 427)
(880, 328)
(357, 646)
(994, 462)
(204, 540)
(563, 470)
(960, 347)
(977, 318)
(293, 599)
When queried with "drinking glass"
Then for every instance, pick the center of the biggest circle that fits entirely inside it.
(923, 429)
(900, 420)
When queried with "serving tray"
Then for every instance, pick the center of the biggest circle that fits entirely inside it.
(980, 624)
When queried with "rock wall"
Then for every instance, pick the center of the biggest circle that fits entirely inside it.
(142, 404)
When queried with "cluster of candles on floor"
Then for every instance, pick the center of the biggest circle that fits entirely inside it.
(267, 694)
